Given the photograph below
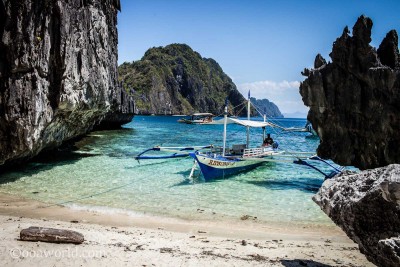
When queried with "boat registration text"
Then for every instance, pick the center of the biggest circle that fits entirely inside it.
(220, 163)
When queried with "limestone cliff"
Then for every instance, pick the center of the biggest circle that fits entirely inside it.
(58, 72)
(267, 107)
(176, 80)
(355, 99)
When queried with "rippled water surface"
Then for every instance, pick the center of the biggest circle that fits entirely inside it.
(103, 174)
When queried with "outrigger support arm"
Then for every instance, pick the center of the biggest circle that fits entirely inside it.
(324, 161)
(178, 152)
(327, 176)
(305, 163)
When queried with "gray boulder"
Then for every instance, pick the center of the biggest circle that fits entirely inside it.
(366, 206)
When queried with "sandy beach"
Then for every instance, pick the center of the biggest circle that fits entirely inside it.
(128, 240)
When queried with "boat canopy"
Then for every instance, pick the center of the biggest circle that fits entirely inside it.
(246, 123)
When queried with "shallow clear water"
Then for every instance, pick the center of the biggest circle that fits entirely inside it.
(103, 173)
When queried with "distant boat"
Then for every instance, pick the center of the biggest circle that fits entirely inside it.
(310, 129)
(307, 128)
(198, 118)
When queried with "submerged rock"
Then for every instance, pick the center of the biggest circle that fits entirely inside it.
(58, 72)
(354, 100)
(366, 206)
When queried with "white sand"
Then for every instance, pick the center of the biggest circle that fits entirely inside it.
(122, 240)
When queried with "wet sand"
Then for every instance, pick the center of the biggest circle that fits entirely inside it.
(138, 240)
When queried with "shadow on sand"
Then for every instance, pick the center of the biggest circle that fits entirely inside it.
(302, 263)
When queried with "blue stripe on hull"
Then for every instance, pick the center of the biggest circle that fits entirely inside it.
(210, 173)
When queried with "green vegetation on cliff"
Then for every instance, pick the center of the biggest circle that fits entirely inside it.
(176, 80)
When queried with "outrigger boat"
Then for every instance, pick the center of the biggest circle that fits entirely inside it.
(220, 162)
(240, 157)
(198, 118)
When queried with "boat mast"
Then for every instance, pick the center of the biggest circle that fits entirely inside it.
(225, 122)
(265, 120)
(248, 118)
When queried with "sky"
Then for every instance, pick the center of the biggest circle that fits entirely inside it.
(262, 45)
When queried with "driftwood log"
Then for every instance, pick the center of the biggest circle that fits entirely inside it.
(52, 235)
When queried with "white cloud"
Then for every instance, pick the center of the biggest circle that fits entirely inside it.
(261, 88)
(284, 94)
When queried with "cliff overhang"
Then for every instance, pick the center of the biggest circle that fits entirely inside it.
(58, 72)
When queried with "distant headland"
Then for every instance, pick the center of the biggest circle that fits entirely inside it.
(175, 79)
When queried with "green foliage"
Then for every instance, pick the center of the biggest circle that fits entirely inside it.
(177, 79)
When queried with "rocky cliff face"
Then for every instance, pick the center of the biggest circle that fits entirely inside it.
(366, 206)
(58, 71)
(354, 100)
(267, 107)
(121, 112)
(176, 80)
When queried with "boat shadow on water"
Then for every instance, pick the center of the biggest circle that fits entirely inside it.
(299, 183)
(146, 165)
(197, 179)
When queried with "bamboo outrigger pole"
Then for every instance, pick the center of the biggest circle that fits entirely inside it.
(248, 118)
(225, 122)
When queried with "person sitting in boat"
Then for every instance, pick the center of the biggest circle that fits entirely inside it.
(207, 119)
(268, 140)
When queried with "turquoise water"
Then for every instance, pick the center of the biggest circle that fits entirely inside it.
(103, 174)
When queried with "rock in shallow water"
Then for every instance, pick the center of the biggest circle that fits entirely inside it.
(367, 207)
